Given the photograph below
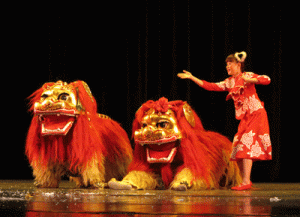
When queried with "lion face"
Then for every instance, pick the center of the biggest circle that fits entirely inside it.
(160, 135)
(57, 109)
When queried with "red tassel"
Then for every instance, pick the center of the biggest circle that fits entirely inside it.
(166, 174)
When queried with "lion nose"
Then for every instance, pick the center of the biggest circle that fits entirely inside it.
(148, 131)
(48, 103)
(160, 134)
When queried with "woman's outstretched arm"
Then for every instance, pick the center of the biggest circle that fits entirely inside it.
(188, 75)
(221, 86)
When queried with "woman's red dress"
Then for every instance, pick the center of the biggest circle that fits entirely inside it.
(252, 140)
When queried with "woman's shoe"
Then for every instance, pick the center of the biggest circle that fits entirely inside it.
(242, 187)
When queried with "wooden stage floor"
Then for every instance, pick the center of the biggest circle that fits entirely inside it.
(21, 198)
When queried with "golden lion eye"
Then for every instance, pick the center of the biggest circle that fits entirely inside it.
(44, 96)
(63, 96)
(162, 124)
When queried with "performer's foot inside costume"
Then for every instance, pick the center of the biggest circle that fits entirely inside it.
(117, 185)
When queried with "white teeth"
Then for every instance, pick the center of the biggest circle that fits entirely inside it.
(160, 160)
(158, 142)
(44, 130)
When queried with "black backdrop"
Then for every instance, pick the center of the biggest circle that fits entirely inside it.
(129, 53)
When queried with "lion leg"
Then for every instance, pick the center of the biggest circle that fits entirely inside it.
(90, 176)
(233, 176)
(78, 181)
(47, 177)
(136, 180)
(230, 176)
(183, 180)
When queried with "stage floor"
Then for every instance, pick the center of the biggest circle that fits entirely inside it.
(21, 198)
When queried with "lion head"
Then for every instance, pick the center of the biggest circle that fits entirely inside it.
(159, 132)
(57, 108)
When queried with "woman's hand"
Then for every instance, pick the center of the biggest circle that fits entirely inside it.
(188, 75)
(185, 75)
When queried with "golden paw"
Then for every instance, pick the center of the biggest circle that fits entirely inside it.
(97, 185)
(119, 185)
(179, 187)
(45, 185)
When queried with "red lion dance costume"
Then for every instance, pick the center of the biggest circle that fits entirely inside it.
(174, 151)
(67, 136)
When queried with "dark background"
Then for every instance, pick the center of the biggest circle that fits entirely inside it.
(129, 53)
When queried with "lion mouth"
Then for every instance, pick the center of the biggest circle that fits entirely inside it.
(56, 123)
(161, 153)
(160, 150)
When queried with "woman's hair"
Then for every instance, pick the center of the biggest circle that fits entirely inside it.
(235, 58)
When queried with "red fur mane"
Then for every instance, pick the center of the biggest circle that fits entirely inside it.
(200, 149)
(89, 136)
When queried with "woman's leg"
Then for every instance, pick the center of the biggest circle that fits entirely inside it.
(245, 166)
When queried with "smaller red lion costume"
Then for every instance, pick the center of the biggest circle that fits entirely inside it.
(68, 137)
(174, 151)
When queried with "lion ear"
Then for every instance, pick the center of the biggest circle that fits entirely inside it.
(79, 106)
(188, 114)
(88, 90)
(85, 99)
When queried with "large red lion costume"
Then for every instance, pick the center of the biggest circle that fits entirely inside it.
(68, 137)
(173, 150)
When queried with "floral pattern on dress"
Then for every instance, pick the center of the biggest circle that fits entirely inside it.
(227, 84)
(221, 85)
(249, 75)
(255, 150)
(239, 112)
(235, 139)
(247, 139)
(252, 103)
(236, 149)
(230, 83)
(265, 77)
(265, 140)
(257, 145)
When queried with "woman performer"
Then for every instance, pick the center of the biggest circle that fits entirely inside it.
(252, 141)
